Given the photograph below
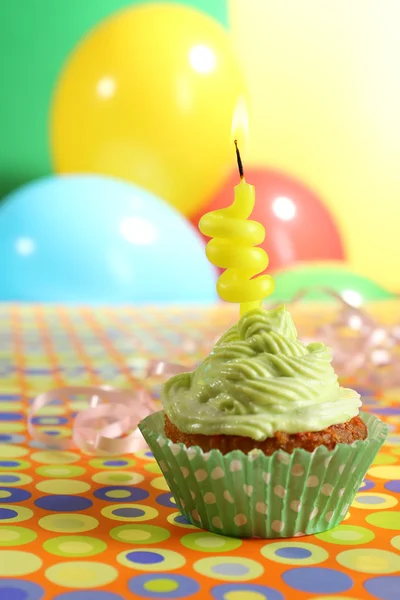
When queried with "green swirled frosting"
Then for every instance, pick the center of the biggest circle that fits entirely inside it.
(260, 379)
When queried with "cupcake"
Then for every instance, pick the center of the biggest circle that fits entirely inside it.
(260, 440)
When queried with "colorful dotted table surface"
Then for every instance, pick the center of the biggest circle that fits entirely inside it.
(76, 527)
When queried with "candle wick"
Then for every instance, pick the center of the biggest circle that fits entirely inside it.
(239, 161)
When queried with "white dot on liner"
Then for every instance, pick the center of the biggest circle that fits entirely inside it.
(185, 472)
(228, 497)
(327, 489)
(217, 473)
(261, 508)
(248, 489)
(216, 521)
(175, 449)
(266, 477)
(163, 466)
(209, 498)
(161, 442)
(278, 525)
(297, 470)
(240, 520)
(284, 458)
(329, 516)
(192, 494)
(195, 515)
(201, 475)
(342, 468)
(341, 491)
(327, 461)
(191, 453)
(206, 456)
(236, 465)
(345, 509)
(312, 481)
(313, 513)
(299, 534)
(295, 505)
(279, 491)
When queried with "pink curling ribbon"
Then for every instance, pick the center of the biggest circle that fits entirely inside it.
(362, 347)
(110, 424)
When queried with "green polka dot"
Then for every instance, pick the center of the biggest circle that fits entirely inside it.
(81, 574)
(118, 494)
(74, 546)
(395, 541)
(12, 451)
(57, 432)
(316, 554)
(369, 560)
(63, 471)
(6, 427)
(384, 459)
(101, 463)
(51, 410)
(172, 560)
(388, 519)
(55, 457)
(159, 586)
(16, 536)
(153, 468)
(22, 479)
(347, 535)
(63, 486)
(171, 518)
(160, 484)
(137, 534)
(12, 407)
(21, 465)
(14, 563)
(143, 512)
(22, 513)
(210, 567)
(210, 542)
(117, 477)
(65, 523)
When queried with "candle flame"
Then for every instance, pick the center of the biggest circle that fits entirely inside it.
(240, 124)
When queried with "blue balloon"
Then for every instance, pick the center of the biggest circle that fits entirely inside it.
(94, 239)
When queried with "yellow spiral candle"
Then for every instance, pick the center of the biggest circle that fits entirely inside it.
(233, 248)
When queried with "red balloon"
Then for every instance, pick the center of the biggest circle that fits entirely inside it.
(298, 225)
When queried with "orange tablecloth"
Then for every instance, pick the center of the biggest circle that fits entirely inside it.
(76, 527)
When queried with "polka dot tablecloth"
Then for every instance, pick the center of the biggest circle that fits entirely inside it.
(76, 527)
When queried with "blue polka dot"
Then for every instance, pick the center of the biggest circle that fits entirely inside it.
(9, 397)
(386, 410)
(61, 503)
(7, 513)
(16, 495)
(292, 552)
(135, 493)
(88, 595)
(166, 500)
(220, 592)
(115, 463)
(8, 478)
(8, 416)
(145, 558)
(128, 512)
(182, 520)
(186, 586)
(149, 454)
(317, 580)
(18, 589)
(366, 485)
(385, 588)
(9, 463)
(393, 486)
(230, 569)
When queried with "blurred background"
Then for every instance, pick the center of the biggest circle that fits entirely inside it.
(117, 120)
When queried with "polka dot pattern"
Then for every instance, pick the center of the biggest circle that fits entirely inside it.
(82, 527)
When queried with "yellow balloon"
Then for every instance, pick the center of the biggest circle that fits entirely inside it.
(149, 96)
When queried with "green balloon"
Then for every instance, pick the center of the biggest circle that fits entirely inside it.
(312, 278)
(36, 37)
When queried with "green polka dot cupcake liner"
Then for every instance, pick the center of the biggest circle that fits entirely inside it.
(254, 495)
